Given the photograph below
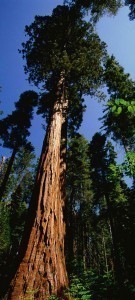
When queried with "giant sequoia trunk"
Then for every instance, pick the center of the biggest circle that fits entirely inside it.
(42, 269)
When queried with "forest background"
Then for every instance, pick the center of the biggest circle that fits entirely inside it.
(99, 208)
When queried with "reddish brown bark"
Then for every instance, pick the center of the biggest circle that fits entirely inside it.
(42, 271)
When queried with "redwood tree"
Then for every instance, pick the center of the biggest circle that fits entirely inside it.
(64, 54)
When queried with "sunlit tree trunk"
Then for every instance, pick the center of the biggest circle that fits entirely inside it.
(42, 269)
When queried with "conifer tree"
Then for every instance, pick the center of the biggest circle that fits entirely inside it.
(79, 202)
(107, 187)
(63, 53)
(13, 212)
(14, 130)
(119, 113)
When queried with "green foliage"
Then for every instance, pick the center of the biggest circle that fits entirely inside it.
(128, 166)
(78, 289)
(13, 210)
(97, 8)
(14, 129)
(79, 197)
(96, 205)
(119, 119)
(64, 42)
(3, 166)
(119, 83)
(57, 52)
(101, 286)
(4, 230)
(60, 42)
(23, 174)
(12, 219)
(119, 113)
(121, 106)
(78, 161)
(90, 285)
(110, 199)
(53, 297)
(131, 5)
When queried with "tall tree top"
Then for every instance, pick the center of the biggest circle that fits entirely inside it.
(63, 41)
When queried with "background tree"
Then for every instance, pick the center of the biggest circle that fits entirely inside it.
(109, 188)
(21, 169)
(119, 83)
(13, 212)
(119, 113)
(98, 219)
(79, 202)
(15, 130)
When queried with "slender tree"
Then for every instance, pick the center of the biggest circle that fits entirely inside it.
(15, 130)
(63, 52)
(79, 202)
(106, 182)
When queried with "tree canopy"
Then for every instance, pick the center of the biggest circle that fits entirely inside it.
(64, 41)
(14, 128)
(97, 8)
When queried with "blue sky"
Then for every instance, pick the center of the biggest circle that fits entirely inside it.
(118, 32)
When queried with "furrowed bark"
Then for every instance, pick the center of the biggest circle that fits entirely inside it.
(42, 270)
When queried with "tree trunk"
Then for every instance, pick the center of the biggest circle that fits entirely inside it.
(42, 271)
(7, 174)
(70, 232)
(116, 257)
(105, 252)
